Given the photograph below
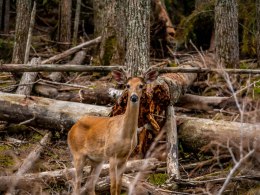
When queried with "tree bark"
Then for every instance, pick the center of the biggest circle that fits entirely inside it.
(258, 32)
(226, 33)
(21, 30)
(196, 133)
(44, 112)
(27, 79)
(99, 7)
(7, 16)
(108, 46)
(137, 36)
(65, 23)
(61, 115)
(1, 13)
(76, 23)
(78, 59)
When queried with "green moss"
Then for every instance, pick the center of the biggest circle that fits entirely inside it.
(109, 49)
(36, 137)
(6, 49)
(257, 88)
(158, 178)
(4, 147)
(6, 161)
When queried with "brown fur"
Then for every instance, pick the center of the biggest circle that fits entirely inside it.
(107, 138)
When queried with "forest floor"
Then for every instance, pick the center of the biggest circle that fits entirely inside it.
(206, 169)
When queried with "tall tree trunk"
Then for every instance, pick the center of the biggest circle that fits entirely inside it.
(109, 42)
(76, 23)
(226, 33)
(7, 16)
(65, 23)
(109, 18)
(200, 3)
(99, 7)
(258, 31)
(21, 30)
(1, 12)
(137, 36)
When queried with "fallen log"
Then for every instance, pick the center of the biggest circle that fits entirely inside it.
(48, 177)
(196, 133)
(44, 112)
(54, 114)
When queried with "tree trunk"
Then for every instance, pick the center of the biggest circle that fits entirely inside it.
(200, 3)
(137, 36)
(25, 87)
(76, 23)
(258, 32)
(65, 24)
(21, 30)
(1, 13)
(99, 7)
(111, 25)
(108, 47)
(7, 16)
(226, 33)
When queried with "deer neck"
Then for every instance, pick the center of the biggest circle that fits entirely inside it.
(130, 123)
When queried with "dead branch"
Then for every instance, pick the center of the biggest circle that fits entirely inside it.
(44, 67)
(71, 51)
(29, 161)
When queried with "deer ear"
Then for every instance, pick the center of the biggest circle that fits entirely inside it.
(119, 76)
(150, 76)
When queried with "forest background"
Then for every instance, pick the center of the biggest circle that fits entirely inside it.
(216, 35)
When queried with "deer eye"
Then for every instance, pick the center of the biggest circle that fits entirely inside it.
(141, 86)
(128, 86)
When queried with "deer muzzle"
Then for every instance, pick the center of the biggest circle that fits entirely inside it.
(134, 98)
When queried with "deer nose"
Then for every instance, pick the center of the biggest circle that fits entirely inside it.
(134, 98)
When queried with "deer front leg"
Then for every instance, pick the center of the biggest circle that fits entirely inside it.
(117, 167)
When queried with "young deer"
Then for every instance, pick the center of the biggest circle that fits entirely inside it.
(108, 138)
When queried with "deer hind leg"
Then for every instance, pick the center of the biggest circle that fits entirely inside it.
(79, 162)
(96, 168)
(117, 168)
